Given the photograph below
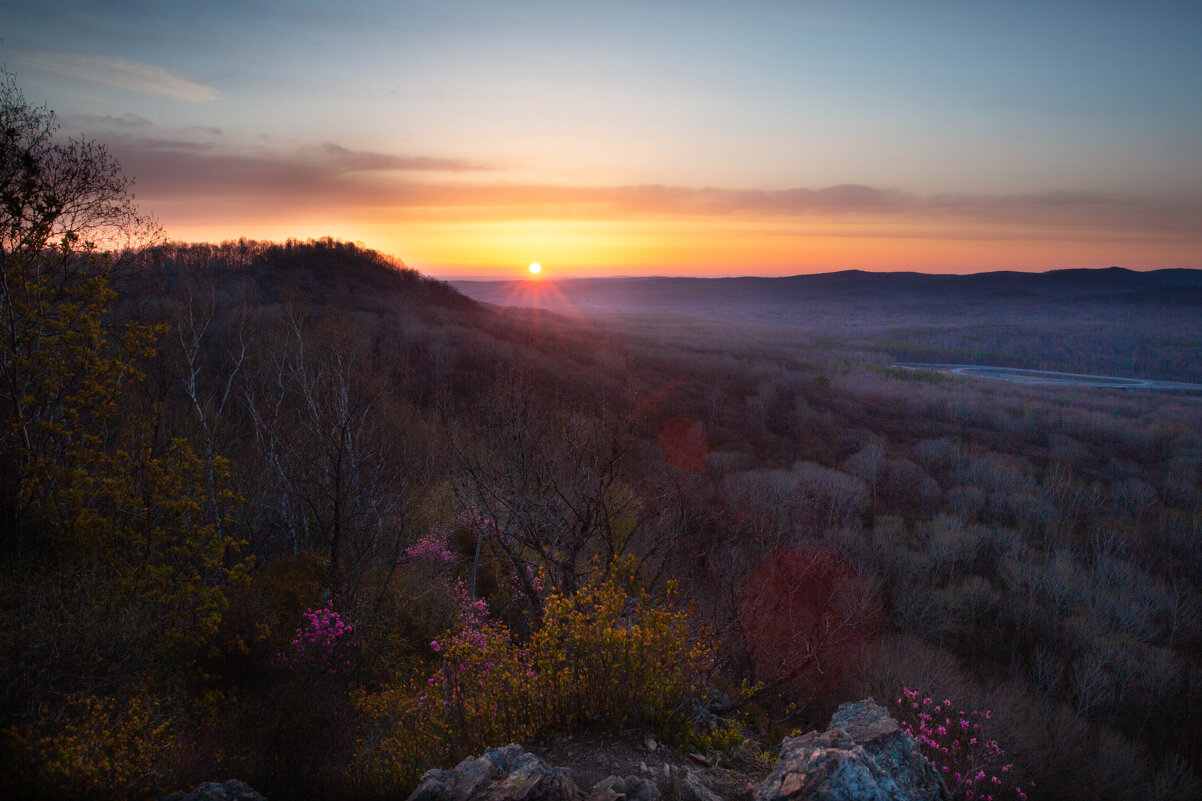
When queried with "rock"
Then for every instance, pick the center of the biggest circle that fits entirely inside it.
(500, 774)
(863, 756)
(231, 790)
(632, 788)
(683, 785)
(826, 767)
(883, 738)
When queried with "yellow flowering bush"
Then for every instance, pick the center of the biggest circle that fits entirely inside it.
(105, 748)
(608, 657)
(617, 659)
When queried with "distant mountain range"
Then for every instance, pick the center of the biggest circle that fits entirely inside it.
(855, 294)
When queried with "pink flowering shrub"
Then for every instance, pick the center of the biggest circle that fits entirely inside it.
(475, 520)
(319, 642)
(432, 549)
(533, 581)
(482, 689)
(471, 614)
(957, 742)
(435, 546)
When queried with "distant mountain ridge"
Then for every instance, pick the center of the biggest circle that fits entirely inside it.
(724, 298)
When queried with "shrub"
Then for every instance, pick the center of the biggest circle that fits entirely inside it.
(619, 659)
(805, 614)
(320, 643)
(958, 744)
(103, 747)
(608, 657)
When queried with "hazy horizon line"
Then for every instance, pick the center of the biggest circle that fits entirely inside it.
(481, 278)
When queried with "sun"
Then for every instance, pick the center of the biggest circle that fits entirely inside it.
(535, 268)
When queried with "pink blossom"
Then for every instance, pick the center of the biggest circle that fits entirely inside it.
(319, 641)
(967, 764)
(431, 548)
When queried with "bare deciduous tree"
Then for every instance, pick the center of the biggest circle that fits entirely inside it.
(318, 420)
(551, 487)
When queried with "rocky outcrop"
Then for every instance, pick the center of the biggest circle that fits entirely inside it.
(864, 756)
(511, 774)
(231, 790)
(892, 747)
(501, 774)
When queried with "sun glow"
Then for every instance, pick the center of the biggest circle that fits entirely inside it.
(535, 268)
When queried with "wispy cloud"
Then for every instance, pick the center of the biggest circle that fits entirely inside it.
(107, 122)
(188, 166)
(363, 160)
(371, 185)
(119, 73)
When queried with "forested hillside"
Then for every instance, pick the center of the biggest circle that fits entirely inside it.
(294, 513)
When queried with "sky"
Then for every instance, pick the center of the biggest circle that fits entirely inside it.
(638, 138)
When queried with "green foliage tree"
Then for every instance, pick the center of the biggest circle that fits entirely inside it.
(59, 377)
(114, 574)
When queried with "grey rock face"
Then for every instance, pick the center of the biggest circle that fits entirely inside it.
(863, 756)
(231, 790)
(500, 774)
(683, 784)
(632, 788)
(892, 747)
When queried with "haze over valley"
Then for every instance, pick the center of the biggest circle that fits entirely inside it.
(1109, 321)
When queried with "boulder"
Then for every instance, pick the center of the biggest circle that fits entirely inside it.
(680, 784)
(863, 756)
(632, 788)
(683, 784)
(231, 790)
(893, 748)
(500, 774)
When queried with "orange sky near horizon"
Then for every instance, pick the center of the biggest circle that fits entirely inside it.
(757, 138)
(708, 246)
